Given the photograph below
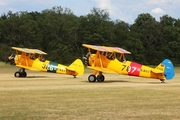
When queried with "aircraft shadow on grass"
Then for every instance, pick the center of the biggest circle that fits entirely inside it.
(36, 77)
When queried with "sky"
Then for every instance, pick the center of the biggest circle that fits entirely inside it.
(125, 10)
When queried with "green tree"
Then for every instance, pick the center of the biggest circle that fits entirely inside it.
(171, 37)
(59, 29)
(95, 28)
(149, 31)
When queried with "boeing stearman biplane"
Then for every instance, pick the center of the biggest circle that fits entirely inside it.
(112, 60)
(32, 59)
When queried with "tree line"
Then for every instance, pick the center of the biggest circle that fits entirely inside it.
(60, 33)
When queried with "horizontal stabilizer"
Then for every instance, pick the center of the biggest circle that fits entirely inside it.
(71, 71)
(156, 71)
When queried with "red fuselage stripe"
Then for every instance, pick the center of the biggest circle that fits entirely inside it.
(134, 69)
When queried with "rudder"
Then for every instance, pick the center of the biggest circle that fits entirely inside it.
(78, 66)
(169, 69)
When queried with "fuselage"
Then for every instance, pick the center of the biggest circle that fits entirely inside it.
(44, 66)
(126, 67)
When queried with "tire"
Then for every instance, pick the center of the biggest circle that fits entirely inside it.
(17, 74)
(92, 78)
(23, 74)
(100, 78)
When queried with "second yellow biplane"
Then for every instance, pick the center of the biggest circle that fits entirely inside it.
(32, 59)
(112, 60)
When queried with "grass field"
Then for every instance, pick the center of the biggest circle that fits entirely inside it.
(46, 96)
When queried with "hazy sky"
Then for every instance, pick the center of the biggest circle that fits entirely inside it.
(126, 10)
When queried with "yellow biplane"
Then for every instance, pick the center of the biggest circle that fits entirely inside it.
(112, 60)
(32, 59)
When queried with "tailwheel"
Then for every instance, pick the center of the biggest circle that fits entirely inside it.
(162, 81)
(100, 78)
(92, 78)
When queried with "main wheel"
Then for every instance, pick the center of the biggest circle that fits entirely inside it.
(17, 74)
(100, 78)
(23, 74)
(92, 78)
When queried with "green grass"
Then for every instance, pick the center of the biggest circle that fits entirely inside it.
(45, 96)
(4, 65)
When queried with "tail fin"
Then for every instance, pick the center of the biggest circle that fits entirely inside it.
(78, 66)
(168, 69)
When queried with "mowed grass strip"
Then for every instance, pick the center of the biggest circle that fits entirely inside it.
(54, 96)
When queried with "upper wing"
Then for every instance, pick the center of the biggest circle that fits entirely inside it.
(107, 49)
(27, 50)
(118, 50)
(94, 47)
(106, 70)
(37, 51)
(22, 49)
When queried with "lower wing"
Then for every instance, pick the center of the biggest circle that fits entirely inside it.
(29, 68)
(105, 70)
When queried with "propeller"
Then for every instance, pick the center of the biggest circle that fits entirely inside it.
(10, 59)
(86, 59)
